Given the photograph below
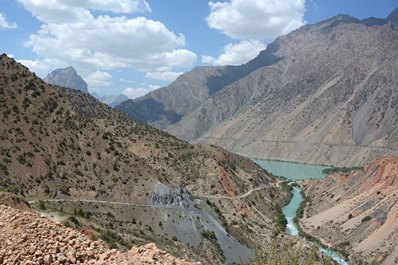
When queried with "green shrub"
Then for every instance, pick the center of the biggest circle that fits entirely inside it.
(366, 219)
(113, 239)
(42, 205)
(208, 234)
(340, 169)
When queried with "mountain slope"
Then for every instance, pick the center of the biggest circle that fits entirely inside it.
(67, 152)
(331, 97)
(166, 106)
(357, 211)
(66, 77)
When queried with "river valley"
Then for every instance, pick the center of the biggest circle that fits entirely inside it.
(293, 172)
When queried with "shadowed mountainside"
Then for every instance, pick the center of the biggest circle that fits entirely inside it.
(166, 106)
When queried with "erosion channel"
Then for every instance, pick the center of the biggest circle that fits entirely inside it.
(293, 172)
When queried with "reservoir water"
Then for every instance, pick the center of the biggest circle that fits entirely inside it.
(295, 171)
(292, 171)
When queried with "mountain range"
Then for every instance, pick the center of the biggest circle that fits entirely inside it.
(324, 93)
(112, 100)
(68, 77)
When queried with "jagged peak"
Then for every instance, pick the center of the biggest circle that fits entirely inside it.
(337, 20)
(69, 69)
(340, 18)
(393, 16)
(66, 77)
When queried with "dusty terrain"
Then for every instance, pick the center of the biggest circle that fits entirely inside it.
(30, 239)
(358, 211)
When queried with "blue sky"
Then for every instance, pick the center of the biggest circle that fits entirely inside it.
(134, 46)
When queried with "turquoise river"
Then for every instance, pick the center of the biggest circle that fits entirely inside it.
(296, 171)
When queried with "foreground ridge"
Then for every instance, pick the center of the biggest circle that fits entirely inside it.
(30, 239)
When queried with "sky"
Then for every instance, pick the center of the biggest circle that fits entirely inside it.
(135, 46)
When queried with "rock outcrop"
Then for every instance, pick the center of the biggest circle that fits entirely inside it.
(28, 239)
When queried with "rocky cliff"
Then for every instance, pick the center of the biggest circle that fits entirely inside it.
(325, 93)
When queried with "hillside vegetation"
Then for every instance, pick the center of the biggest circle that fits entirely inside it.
(66, 152)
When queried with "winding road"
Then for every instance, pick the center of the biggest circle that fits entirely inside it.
(114, 203)
(154, 205)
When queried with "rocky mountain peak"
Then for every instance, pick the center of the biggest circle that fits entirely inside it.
(336, 21)
(344, 18)
(66, 77)
(393, 17)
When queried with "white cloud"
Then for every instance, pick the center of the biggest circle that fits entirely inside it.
(101, 43)
(236, 53)
(256, 19)
(104, 42)
(5, 24)
(62, 11)
(119, 6)
(98, 79)
(138, 92)
(165, 76)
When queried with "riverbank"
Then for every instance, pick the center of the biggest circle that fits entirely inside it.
(295, 210)
(324, 246)
(296, 172)
(291, 162)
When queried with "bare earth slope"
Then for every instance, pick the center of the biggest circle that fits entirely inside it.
(332, 99)
(357, 211)
(114, 174)
(330, 96)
